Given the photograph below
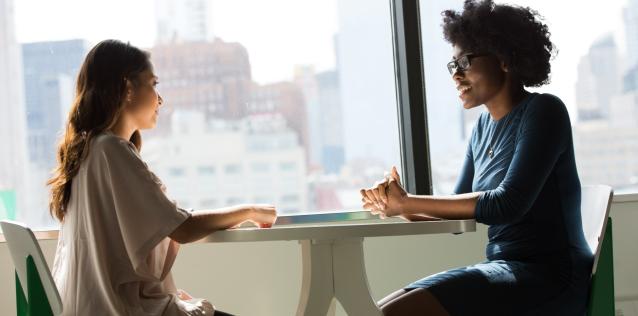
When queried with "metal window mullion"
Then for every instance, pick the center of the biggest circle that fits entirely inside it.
(410, 87)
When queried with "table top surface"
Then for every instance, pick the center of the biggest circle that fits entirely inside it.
(341, 230)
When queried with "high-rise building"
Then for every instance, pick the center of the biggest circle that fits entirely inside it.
(256, 159)
(184, 21)
(598, 80)
(286, 99)
(623, 112)
(211, 77)
(607, 102)
(214, 78)
(606, 154)
(631, 32)
(630, 77)
(630, 80)
(322, 96)
(330, 121)
(305, 79)
(13, 139)
(50, 71)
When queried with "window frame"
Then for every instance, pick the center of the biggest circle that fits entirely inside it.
(411, 100)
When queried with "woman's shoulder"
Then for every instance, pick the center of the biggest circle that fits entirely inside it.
(107, 142)
(545, 111)
(546, 102)
(545, 107)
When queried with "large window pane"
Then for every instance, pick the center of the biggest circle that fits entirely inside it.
(595, 73)
(286, 102)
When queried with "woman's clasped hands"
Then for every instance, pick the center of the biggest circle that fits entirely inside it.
(386, 197)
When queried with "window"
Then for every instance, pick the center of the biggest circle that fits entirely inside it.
(262, 200)
(206, 170)
(306, 87)
(232, 169)
(595, 73)
(176, 172)
(260, 167)
(287, 166)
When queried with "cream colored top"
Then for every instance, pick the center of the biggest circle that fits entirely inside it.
(113, 255)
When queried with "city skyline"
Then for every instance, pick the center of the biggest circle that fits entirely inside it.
(608, 111)
(343, 112)
(269, 65)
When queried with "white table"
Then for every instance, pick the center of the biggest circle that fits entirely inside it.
(332, 257)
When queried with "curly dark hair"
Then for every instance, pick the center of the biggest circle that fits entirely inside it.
(514, 34)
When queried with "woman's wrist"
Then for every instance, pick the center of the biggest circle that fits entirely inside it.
(248, 212)
(404, 204)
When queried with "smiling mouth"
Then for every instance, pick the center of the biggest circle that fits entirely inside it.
(463, 89)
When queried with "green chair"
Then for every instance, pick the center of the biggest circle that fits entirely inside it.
(595, 205)
(40, 297)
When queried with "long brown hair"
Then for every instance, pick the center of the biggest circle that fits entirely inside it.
(99, 98)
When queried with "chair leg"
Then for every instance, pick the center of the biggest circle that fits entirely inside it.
(21, 300)
(37, 297)
(601, 299)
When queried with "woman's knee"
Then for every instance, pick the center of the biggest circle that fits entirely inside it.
(391, 297)
(415, 302)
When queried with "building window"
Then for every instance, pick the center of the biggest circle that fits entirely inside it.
(232, 169)
(287, 166)
(176, 172)
(206, 170)
(260, 167)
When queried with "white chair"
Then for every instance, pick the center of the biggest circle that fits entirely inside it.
(40, 296)
(595, 206)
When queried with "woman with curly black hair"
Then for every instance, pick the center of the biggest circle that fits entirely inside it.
(519, 177)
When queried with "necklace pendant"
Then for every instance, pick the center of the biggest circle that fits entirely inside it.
(490, 153)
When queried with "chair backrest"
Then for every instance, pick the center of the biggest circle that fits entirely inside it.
(22, 243)
(595, 205)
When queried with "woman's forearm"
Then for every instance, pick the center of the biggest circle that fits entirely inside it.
(460, 206)
(204, 222)
(223, 218)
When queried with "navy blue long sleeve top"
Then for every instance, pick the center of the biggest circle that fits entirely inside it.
(530, 188)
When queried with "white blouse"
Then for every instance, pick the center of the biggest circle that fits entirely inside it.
(113, 255)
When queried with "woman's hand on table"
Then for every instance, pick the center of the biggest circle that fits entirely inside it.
(386, 197)
(263, 215)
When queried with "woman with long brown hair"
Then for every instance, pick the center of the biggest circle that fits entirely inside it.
(119, 232)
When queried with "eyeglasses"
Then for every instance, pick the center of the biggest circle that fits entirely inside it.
(462, 63)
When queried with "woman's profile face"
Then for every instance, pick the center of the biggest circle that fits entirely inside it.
(481, 80)
(145, 101)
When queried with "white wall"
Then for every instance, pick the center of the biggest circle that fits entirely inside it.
(264, 278)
